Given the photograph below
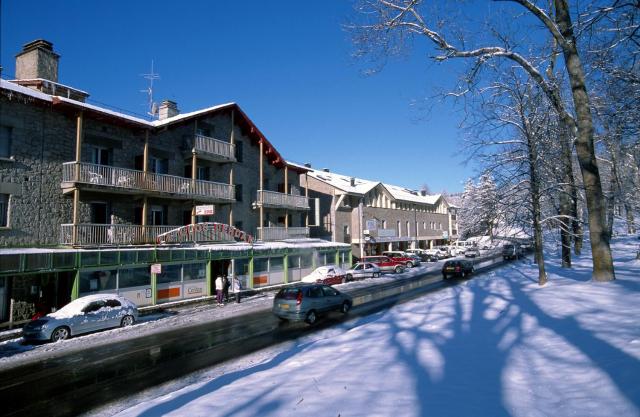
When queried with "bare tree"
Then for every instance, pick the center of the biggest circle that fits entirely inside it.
(390, 22)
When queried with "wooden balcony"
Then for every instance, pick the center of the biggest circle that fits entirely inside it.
(282, 233)
(128, 181)
(111, 234)
(274, 199)
(213, 149)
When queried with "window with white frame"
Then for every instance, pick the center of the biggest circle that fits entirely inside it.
(398, 226)
(4, 210)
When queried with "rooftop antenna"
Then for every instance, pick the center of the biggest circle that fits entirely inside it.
(153, 106)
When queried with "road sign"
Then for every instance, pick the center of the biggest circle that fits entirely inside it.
(156, 268)
(207, 210)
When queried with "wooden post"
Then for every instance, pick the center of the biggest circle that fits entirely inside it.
(145, 168)
(286, 191)
(261, 225)
(306, 194)
(194, 172)
(76, 191)
(232, 141)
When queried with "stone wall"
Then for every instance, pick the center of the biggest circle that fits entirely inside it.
(41, 141)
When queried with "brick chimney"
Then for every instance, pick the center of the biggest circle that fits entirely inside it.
(168, 109)
(37, 60)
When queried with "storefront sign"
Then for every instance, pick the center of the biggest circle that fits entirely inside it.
(204, 232)
(207, 210)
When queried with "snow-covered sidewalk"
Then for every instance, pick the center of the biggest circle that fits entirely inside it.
(496, 345)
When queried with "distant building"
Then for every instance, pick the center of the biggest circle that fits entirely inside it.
(373, 216)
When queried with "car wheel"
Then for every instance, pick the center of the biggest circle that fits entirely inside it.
(376, 274)
(349, 277)
(409, 264)
(311, 317)
(343, 280)
(344, 309)
(127, 321)
(398, 269)
(60, 333)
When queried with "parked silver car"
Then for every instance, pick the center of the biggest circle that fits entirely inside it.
(472, 252)
(308, 302)
(84, 315)
(363, 270)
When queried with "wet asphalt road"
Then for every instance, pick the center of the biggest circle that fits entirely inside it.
(79, 381)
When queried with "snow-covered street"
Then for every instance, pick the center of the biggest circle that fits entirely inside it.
(496, 345)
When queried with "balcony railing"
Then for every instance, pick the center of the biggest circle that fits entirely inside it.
(213, 149)
(282, 233)
(282, 200)
(111, 234)
(129, 179)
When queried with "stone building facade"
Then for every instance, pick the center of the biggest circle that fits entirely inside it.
(89, 198)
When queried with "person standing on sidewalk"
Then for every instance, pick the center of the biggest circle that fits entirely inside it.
(236, 288)
(225, 289)
(219, 288)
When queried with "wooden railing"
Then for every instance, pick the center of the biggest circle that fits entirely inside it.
(282, 200)
(102, 175)
(111, 234)
(282, 233)
(215, 147)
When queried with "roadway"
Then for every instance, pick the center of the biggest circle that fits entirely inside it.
(76, 382)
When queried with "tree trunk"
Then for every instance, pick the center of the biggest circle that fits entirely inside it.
(566, 192)
(601, 251)
(611, 202)
(631, 226)
(535, 205)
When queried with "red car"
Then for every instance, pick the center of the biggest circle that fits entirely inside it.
(328, 275)
(385, 263)
(403, 257)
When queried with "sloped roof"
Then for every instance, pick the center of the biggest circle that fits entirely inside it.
(273, 156)
(405, 194)
(343, 182)
(362, 186)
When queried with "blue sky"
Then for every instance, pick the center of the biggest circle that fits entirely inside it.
(287, 64)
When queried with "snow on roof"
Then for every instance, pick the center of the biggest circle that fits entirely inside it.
(7, 85)
(181, 116)
(103, 110)
(361, 187)
(405, 194)
(50, 82)
(343, 182)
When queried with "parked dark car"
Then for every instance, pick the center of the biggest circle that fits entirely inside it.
(457, 268)
(308, 302)
(511, 251)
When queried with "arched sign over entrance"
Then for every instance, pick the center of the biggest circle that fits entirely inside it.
(204, 232)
